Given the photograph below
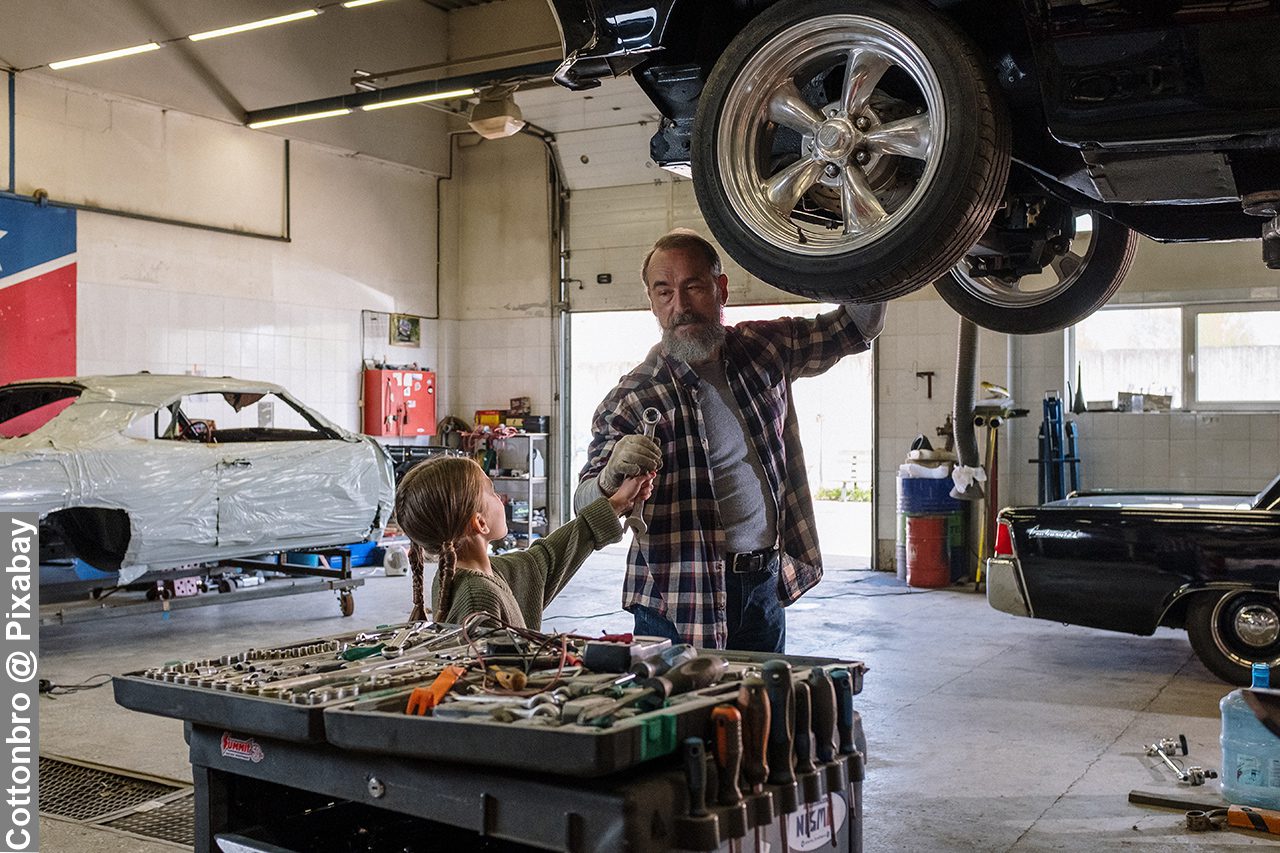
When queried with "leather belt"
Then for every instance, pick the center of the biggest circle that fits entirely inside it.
(749, 561)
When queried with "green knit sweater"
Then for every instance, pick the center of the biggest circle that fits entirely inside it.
(523, 583)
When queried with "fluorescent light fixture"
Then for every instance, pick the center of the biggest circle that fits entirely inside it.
(419, 99)
(351, 4)
(99, 57)
(255, 25)
(272, 122)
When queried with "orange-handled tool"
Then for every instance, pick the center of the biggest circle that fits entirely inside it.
(423, 699)
(726, 720)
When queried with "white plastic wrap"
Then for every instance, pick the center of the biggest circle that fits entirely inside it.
(192, 502)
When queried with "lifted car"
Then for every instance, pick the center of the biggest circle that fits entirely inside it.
(1008, 150)
(1133, 562)
(146, 472)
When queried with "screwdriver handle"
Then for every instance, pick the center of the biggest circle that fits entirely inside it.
(822, 696)
(782, 713)
(804, 730)
(726, 720)
(696, 673)
(753, 703)
(695, 770)
(844, 709)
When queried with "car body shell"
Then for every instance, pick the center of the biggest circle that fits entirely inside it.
(1130, 562)
(192, 502)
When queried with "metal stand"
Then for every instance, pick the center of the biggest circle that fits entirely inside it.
(339, 580)
(1059, 459)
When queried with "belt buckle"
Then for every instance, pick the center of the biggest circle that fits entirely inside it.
(754, 561)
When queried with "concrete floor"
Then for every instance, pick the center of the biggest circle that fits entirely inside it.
(986, 732)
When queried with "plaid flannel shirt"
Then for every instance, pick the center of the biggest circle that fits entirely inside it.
(677, 568)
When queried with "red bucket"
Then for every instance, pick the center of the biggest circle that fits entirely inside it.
(928, 560)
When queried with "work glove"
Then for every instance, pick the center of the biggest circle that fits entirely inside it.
(868, 317)
(632, 456)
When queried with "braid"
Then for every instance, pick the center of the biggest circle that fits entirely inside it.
(435, 502)
(448, 569)
(416, 560)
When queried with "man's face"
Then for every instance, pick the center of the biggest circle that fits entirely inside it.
(688, 302)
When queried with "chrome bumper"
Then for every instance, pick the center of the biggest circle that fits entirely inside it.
(1004, 586)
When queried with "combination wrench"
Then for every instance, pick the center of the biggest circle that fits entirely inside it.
(635, 521)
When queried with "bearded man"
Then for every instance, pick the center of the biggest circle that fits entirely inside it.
(731, 538)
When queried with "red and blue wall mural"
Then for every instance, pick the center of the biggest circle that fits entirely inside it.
(37, 290)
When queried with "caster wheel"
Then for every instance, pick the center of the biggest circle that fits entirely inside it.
(346, 603)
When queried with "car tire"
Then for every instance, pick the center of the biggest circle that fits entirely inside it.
(1232, 631)
(1072, 292)
(932, 135)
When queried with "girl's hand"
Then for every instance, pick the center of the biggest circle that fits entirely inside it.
(631, 490)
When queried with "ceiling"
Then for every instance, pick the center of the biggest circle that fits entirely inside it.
(602, 134)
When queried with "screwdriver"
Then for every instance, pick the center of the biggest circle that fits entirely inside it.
(822, 694)
(753, 703)
(806, 773)
(843, 682)
(726, 721)
(782, 712)
(695, 769)
(844, 709)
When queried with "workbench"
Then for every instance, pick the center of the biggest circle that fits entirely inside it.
(268, 779)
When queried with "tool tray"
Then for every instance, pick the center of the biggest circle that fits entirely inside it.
(380, 725)
(198, 691)
(371, 717)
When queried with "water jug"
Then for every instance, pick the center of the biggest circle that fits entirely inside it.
(1250, 753)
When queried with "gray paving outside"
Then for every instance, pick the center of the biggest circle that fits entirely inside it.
(986, 732)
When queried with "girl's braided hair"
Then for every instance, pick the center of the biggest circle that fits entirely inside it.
(435, 503)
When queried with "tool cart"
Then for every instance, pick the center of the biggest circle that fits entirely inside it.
(433, 737)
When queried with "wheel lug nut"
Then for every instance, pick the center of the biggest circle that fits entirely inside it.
(831, 170)
(862, 157)
(862, 123)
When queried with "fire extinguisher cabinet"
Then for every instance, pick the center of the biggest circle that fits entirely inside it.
(400, 403)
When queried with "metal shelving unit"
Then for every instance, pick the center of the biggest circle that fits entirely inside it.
(517, 453)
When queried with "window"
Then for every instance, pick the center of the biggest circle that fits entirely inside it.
(227, 417)
(1222, 356)
(1237, 356)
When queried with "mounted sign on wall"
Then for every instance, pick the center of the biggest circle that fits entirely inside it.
(406, 330)
(37, 290)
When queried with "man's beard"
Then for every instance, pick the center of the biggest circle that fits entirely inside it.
(698, 342)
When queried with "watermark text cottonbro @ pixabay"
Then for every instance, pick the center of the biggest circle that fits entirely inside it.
(20, 556)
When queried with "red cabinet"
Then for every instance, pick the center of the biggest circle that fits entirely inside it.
(399, 402)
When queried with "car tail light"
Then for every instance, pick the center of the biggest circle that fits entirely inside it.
(1004, 539)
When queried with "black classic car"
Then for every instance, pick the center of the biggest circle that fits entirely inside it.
(1134, 562)
(1008, 150)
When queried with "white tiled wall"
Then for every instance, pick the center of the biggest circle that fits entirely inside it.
(493, 360)
(312, 350)
(921, 335)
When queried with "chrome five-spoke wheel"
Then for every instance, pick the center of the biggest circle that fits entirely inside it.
(849, 151)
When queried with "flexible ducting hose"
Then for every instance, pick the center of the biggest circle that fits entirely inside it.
(967, 486)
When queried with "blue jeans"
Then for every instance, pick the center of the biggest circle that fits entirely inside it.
(757, 620)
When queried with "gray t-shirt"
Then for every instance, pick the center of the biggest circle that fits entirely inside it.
(747, 507)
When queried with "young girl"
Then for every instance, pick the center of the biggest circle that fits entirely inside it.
(448, 508)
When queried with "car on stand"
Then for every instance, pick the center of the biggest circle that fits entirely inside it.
(145, 472)
(1134, 562)
(1010, 151)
